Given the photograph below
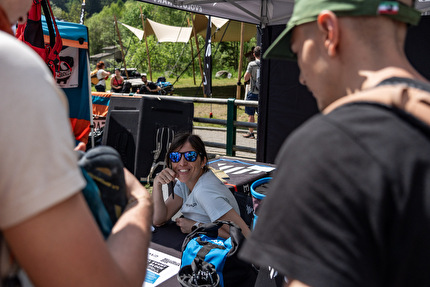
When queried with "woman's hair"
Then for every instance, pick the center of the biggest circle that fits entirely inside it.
(194, 140)
(100, 65)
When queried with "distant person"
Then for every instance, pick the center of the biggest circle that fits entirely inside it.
(198, 194)
(102, 76)
(349, 203)
(45, 223)
(253, 75)
(148, 87)
(117, 82)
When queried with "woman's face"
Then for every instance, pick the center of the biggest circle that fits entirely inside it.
(186, 171)
(117, 73)
(16, 9)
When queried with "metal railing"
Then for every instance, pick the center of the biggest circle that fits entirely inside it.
(231, 123)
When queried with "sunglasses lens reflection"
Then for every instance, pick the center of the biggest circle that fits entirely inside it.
(190, 156)
(175, 156)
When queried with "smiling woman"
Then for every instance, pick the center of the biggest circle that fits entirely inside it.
(198, 194)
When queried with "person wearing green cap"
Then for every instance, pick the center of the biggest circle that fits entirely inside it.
(349, 203)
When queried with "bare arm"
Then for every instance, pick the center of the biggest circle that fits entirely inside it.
(232, 215)
(164, 210)
(62, 246)
(112, 85)
(105, 74)
(247, 76)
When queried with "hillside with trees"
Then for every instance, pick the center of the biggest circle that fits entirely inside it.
(168, 59)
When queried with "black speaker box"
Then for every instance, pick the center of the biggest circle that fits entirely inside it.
(157, 114)
(121, 132)
(132, 124)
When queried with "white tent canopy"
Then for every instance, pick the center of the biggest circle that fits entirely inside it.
(139, 33)
(166, 33)
(218, 22)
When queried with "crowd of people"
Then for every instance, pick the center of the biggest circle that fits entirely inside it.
(348, 204)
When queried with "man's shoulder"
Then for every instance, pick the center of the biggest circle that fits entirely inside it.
(18, 56)
(255, 63)
(354, 123)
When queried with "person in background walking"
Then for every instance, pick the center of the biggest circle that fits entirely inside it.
(102, 75)
(253, 75)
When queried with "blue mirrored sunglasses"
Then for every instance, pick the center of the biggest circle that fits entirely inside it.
(189, 156)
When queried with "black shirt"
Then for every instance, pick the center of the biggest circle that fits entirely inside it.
(349, 204)
(146, 89)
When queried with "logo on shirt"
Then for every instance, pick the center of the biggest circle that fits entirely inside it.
(191, 205)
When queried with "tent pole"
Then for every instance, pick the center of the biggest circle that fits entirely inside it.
(91, 139)
(120, 44)
(146, 44)
(198, 52)
(192, 56)
(239, 76)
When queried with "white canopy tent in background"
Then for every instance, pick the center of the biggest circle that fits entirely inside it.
(166, 33)
(137, 32)
(223, 30)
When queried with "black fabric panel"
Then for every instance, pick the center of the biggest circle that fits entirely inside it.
(284, 104)
(418, 46)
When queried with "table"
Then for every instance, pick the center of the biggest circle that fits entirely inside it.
(162, 262)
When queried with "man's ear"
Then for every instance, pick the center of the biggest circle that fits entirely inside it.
(328, 24)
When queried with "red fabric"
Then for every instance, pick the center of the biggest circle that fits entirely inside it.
(81, 129)
(31, 32)
(116, 82)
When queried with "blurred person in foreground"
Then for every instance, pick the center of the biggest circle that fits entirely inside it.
(46, 226)
(349, 204)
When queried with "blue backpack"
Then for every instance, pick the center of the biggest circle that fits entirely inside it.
(203, 247)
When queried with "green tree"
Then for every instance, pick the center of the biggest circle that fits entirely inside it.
(168, 59)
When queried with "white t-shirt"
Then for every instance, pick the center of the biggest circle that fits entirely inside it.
(38, 168)
(102, 80)
(209, 200)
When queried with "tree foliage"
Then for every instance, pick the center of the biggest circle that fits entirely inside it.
(167, 59)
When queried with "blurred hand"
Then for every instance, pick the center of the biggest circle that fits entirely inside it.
(133, 187)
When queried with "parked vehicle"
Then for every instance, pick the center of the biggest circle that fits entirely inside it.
(132, 73)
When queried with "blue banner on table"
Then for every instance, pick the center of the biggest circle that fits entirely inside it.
(207, 73)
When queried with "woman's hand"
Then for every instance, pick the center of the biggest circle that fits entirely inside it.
(165, 176)
(185, 224)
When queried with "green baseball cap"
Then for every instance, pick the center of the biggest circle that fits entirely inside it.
(306, 11)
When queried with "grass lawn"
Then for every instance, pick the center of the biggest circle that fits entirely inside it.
(221, 88)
